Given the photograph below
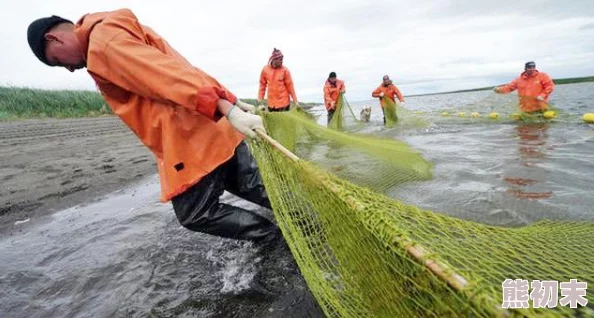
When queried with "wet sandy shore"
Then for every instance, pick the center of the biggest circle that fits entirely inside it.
(51, 164)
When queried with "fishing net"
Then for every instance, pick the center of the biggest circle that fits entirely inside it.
(343, 109)
(364, 254)
(389, 109)
(338, 117)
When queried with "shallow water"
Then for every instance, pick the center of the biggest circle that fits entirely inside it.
(127, 256)
(501, 172)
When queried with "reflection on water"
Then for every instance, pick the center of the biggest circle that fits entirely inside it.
(532, 148)
(501, 172)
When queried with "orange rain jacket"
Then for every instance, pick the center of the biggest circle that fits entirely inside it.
(280, 86)
(168, 103)
(331, 93)
(389, 91)
(539, 84)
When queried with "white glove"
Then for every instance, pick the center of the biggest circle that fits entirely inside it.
(246, 107)
(262, 108)
(381, 94)
(244, 122)
(540, 99)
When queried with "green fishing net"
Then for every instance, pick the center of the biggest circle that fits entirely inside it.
(389, 109)
(364, 254)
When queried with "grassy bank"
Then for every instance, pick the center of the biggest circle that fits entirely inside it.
(21, 103)
(33, 103)
(574, 80)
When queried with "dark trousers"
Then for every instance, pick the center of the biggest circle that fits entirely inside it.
(330, 114)
(280, 109)
(199, 209)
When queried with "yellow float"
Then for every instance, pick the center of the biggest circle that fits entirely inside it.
(550, 114)
(588, 118)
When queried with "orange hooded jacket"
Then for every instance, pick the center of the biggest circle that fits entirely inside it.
(168, 103)
(331, 93)
(529, 88)
(389, 91)
(280, 86)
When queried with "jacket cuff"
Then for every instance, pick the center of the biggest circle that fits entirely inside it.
(207, 101)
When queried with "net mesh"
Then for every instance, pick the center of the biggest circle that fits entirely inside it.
(337, 120)
(364, 254)
(343, 110)
(389, 109)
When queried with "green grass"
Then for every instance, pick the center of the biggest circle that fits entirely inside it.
(22, 103)
(17, 103)
(573, 80)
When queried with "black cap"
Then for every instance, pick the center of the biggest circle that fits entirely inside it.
(530, 65)
(332, 75)
(36, 34)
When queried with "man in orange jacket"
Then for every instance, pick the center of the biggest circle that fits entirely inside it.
(534, 89)
(277, 79)
(194, 126)
(387, 90)
(332, 89)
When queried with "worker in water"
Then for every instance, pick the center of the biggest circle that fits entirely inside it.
(387, 90)
(534, 89)
(332, 90)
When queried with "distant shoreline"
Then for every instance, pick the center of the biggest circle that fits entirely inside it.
(560, 81)
(17, 103)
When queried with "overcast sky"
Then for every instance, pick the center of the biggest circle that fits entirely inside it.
(425, 46)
